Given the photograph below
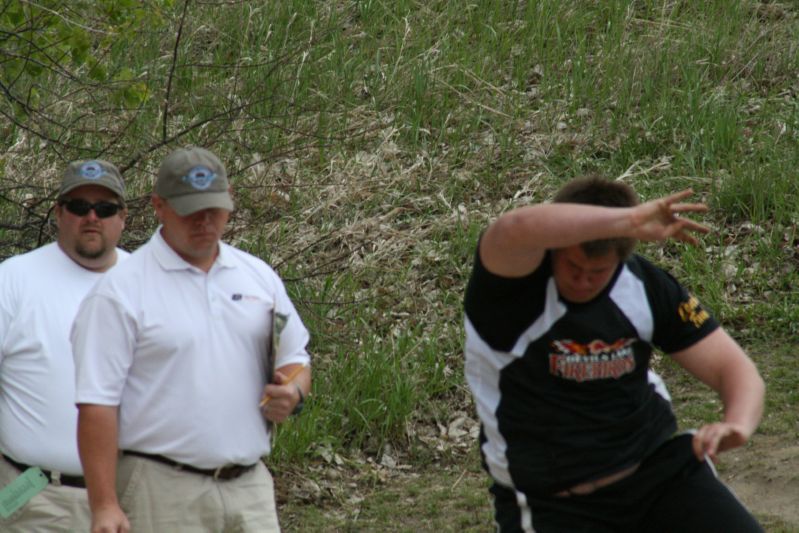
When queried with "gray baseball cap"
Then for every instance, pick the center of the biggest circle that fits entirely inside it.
(192, 179)
(92, 172)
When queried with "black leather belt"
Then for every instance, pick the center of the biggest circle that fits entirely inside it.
(223, 472)
(56, 478)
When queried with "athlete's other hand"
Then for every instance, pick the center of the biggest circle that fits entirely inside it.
(713, 439)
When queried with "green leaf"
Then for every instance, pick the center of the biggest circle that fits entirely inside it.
(15, 15)
(79, 43)
(124, 74)
(97, 70)
(135, 94)
(34, 98)
(12, 68)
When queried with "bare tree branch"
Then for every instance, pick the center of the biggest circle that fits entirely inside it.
(172, 67)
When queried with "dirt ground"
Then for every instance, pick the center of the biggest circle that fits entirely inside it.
(765, 476)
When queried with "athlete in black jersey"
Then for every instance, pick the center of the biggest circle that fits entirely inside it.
(561, 321)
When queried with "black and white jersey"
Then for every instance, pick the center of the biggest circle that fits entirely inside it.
(561, 389)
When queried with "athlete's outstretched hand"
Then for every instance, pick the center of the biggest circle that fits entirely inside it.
(713, 439)
(659, 219)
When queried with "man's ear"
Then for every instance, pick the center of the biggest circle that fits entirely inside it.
(58, 211)
(158, 205)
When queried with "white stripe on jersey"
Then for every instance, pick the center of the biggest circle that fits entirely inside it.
(629, 295)
(526, 512)
(482, 368)
(554, 310)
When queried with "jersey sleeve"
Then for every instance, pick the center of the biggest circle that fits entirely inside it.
(501, 308)
(680, 318)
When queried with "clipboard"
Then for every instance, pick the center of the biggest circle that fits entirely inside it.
(272, 345)
(279, 321)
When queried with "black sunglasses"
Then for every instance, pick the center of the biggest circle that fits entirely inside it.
(81, 208)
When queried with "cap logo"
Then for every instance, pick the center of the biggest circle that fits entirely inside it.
(91, 170)
(200, 177)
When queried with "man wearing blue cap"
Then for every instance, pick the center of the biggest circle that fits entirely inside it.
(39, 296)
(173, 371)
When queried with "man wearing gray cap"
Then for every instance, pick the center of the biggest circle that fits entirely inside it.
(172, 356)
(40, 472)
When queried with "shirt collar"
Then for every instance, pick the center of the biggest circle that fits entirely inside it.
(169, 259)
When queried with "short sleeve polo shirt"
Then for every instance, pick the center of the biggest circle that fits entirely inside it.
(182, 352)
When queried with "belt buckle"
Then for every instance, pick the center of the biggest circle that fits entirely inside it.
(218, 473)
(55, 478)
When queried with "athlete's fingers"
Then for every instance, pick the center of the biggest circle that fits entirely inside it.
(698, 447)
(682, 229)
(696, 207)
(706, 441)
(677, 196)
(712, 445)
(683, 236)
(691, 225)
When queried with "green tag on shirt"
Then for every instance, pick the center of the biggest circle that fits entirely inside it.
(17, 493)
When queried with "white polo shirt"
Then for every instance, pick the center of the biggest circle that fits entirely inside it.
(40, 292)
(182, 352)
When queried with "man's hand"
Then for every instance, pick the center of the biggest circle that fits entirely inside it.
(110, 520)
(659, 220)
(713, 439)
(283, 397)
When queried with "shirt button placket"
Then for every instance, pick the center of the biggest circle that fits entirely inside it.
(212, 298)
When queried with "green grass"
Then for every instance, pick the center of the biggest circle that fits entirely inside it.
(369, 142)
(447, 498)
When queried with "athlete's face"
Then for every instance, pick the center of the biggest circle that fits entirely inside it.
(580, 278)
(194, 237)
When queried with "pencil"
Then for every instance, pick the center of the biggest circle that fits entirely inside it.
(294, 373)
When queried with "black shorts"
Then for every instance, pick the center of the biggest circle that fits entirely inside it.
(670, 492)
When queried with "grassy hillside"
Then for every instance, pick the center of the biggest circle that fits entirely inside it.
(370, 141)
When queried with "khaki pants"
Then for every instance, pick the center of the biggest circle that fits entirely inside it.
(55, 509)
(158, 498)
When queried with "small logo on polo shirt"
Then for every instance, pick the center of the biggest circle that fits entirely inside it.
(237, 297)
